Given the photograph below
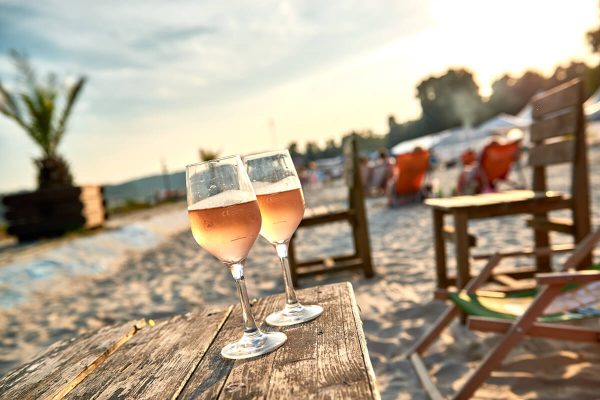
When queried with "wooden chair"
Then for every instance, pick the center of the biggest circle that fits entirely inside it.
(558, 137)
(355, 215)
(531, 322)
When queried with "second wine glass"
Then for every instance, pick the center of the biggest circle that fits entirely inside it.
(281, 204)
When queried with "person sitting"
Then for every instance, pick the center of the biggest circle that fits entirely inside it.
(380, 174)
(492, 167)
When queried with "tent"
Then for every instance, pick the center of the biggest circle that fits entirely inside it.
(426, 142)
(592, 107)
(502, 123)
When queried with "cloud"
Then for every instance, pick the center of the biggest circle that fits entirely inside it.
(168, 37)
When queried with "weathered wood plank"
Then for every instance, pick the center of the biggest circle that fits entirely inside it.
(558, 125)
(363, 342)
(325, 358)
(157, 362)
(65, 364)
(208, 378)
(566, 95)
(553, 224)
(509, 196)
(552, 153)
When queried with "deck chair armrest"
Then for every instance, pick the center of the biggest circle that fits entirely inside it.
(559, 278)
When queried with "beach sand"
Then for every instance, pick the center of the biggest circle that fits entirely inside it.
(170, 274)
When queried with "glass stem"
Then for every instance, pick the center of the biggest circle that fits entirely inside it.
(237, 270)
(290, 292)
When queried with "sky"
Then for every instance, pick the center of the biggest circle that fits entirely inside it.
(168, 78)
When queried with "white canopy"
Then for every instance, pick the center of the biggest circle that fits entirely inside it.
(426, 142)
(592, 107)
(501, 123)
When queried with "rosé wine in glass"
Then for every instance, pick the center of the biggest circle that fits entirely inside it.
(281, 203)
(225, 220)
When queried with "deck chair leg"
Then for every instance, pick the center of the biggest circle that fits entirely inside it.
(542, 239)
(508, 341)
(433, 333)
(452, 311)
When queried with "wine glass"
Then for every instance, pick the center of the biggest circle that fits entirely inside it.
(281, 203)
(225, 220)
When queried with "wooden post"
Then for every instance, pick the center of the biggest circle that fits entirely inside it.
(580, 181)
(440, 249)
(360, 230)
(541, 237)
(462, 248)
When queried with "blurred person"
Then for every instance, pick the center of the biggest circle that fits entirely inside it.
(491, 167)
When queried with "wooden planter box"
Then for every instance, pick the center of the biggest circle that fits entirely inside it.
(52, 212)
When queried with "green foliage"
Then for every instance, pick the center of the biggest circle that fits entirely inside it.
(206, 154)
(42, 110)
(453, 99)
(293, 149)
(510, 95)
(449, 100)
(130, 205)
(366, 141)
(593, 37)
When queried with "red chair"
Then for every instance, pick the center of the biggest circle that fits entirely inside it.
(410, 171)
(495, 163)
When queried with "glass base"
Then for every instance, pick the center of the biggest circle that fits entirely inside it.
(292, 315)
(254, 345)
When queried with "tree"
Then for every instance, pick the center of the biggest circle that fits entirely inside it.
(593, 37)
(206, 154)
(35, 110)
(312, 152)
(331, 149)
(510, 95)
(449, 100)
(293, 149)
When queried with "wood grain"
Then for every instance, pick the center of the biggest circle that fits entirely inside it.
(323, 359)
(157, 362)
(180, 358)
(561, 124)
(552, 153)
(63, 365)
(558, 98)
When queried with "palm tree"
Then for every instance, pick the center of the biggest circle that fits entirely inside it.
(35, 109)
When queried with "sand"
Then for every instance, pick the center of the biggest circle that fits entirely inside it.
(168, 274)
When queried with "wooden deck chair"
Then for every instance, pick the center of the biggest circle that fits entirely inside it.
(552, 302)
(411, 169)
(355, 215)
(496, 162)
(409, 175)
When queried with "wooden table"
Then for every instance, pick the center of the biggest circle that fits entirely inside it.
(489, 205)
(180, 358)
